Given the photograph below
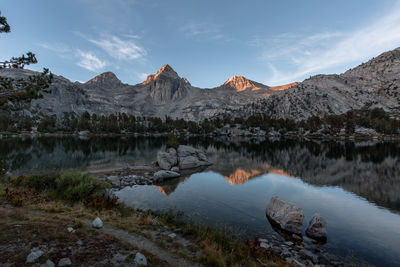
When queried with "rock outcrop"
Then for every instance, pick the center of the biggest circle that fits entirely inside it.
(317, 228)
(166, 160)
(288, 216)
(185, 157)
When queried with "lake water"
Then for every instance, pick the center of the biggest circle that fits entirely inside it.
(354, 186)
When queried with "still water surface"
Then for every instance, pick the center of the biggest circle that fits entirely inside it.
(354, 186)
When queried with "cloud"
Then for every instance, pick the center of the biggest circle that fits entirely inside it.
(203, 30)
(58, 48)
(120, 49)
(89, 61)
(142, 76)
(306, 55)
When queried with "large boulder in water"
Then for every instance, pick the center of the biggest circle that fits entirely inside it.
(288, 216)
(166, 160)
(317, 228)
(189, 157)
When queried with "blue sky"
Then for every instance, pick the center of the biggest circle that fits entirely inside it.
(272, 42)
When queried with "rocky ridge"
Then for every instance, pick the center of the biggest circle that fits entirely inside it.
(375, 83)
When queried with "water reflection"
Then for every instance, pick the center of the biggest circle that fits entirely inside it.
(367, 169)
(343, 181)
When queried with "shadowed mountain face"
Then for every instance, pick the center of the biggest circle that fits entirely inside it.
(375, 84)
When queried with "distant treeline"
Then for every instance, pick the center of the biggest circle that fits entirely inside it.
(376, 119)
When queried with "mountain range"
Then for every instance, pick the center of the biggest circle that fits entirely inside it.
(373, 84)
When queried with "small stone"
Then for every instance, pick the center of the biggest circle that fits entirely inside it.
(71, 230)
(79, 242)
(286, 253)
(34, 255)
(64, 262)
(264, 245)
(175, 169)
(172, 235)
(97, 223)
(48, 263)
(308, 255)
(288, 243)
(263, 240)
(140, 259)
(317, 228)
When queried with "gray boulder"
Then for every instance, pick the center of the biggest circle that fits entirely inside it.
(34, 255)
(286, 215)
(161, 175)
(317, 228)
(190, 157)
(167, 159)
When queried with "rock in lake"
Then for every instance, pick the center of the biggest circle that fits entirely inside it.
(97, 223)
(140, 259)
(189, 157)
(286, 215)
(317, 228)
(167, 159)
(161, 175)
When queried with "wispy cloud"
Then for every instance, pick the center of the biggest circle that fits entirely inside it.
(58, 48)
(88, 60)
(306, 55)
(118, 48)
(207, 30)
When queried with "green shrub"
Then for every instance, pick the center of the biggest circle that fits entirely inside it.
(75, 186)
(70, 186)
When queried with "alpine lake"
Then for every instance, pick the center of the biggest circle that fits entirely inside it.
(355, 186)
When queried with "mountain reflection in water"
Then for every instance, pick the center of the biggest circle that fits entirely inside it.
(368, 169)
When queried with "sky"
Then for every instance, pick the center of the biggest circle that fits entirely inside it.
(272, 42)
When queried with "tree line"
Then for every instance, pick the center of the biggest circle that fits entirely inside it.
(376, 119)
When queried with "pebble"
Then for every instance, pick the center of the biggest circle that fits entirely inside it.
(71, 230)
(140, 259)
(97, 223)
(64, 262)
(264, 245)
(172, 235)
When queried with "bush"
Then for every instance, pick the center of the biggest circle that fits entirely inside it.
(2, 168)
(70, 186)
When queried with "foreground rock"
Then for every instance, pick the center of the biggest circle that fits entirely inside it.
(97, 223)
(317, 228)
(288, 216)
(64, 262)
(140, 259)
(34, 255)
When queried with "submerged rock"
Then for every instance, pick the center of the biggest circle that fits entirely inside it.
(97, 223)
(286, 215)
(317, 228)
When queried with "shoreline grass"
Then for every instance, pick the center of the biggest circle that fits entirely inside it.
(75, 197)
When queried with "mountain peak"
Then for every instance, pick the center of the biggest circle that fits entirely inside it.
(165, 71)
(106, 80)
(241, 83)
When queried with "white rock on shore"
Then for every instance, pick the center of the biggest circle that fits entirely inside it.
(97, 223)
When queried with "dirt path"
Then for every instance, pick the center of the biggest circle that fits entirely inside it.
(146, 244)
